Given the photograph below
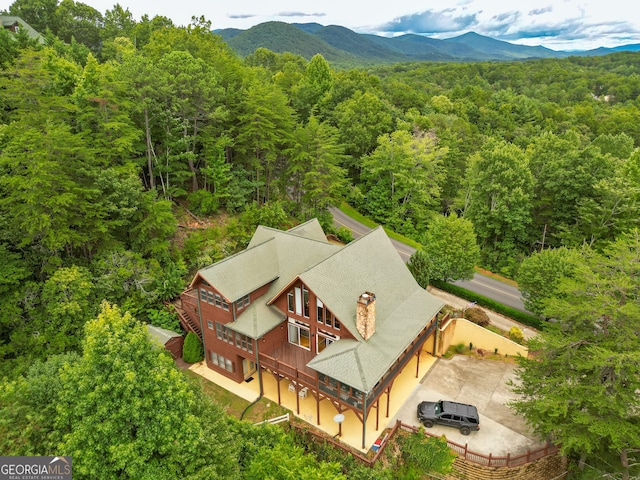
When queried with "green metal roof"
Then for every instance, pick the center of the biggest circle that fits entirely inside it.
(310, 229)
(8, 21)
(244, 272)
(403, 308)
(273, 257)
(338, 276)
(161, 335)
(256, 320)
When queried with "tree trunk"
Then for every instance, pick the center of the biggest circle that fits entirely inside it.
(624, 460)
(147, 132)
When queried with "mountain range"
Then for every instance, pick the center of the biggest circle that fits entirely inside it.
(340, 45)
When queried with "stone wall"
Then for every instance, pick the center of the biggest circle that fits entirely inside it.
(551, 467)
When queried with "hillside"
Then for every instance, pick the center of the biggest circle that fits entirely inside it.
(342, 45)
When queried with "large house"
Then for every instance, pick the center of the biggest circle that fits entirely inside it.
(334, 322)
(15, 24)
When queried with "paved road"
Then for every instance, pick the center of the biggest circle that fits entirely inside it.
(485, 286)
(491, 288)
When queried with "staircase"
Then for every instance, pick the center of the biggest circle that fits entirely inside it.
(187, 322)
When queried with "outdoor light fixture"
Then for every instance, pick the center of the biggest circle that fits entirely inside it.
(339, 418)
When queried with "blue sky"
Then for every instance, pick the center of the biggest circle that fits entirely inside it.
(556, 24)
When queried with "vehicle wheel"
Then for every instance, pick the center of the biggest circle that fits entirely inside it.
(465, 430)
(428, 423)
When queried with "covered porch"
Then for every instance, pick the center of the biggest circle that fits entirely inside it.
(310, 407)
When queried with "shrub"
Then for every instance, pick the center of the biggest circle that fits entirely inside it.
(164, 318)
(460, 347)
(203, 202)
(192, 351)
(516, 335)
(492, 305)
(477, 315)
(344, 235)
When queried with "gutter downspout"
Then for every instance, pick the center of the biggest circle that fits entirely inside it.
(364, 418)
(259, 383)
(204, 345)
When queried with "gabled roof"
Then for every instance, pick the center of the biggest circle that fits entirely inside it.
(244, 272)
(256, 320)
(403, 308)
(9, 21)
(338, 276)
(368, 264)
(161, 335)
(272, 257)
(310, 229)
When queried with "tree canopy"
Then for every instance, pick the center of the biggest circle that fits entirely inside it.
(580, 388)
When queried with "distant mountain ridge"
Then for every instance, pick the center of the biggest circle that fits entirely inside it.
(342, 45)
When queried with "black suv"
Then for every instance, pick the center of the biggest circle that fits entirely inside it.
(459, 415)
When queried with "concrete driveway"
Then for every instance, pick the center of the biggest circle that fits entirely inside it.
(482, 383)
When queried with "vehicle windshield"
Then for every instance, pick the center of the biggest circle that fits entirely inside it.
(438, 408)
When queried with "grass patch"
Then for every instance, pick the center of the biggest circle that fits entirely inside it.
(353, 213)
(496, 276)
(234, 405)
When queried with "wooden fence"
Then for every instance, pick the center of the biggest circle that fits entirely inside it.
(273, 421)
(490, 460)
(463, 451)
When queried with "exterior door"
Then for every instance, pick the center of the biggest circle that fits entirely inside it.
(248, 368)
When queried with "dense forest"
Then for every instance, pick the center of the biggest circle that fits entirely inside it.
(117, 134)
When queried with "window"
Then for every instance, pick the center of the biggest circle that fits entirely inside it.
(243, 302)
(290, 302)
(324, 340)
(222, 362)
(305, 301)
(218, 300)
(210, 324)
(299, 334)
(224, 334)
(298, 300)
(320, 310)
(336, 323)
(206, 296)
(229, 336)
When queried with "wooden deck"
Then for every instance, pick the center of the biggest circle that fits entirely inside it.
(290, 361)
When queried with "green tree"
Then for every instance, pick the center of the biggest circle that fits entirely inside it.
(540, 274)
(28, 408)
(420, 267)
(314, 173)
(67, 298)
(316, 83)
(193, 92)
(401, 179)
(40, 14)
(79, 21)
(192, 351)
(265, 125)
(286, 461)
(580, 389)
(361, 119)
(125, 411)
(423, 455)
(451, 248)
(499, 202)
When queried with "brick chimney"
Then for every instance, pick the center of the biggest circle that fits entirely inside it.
(366, 315)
